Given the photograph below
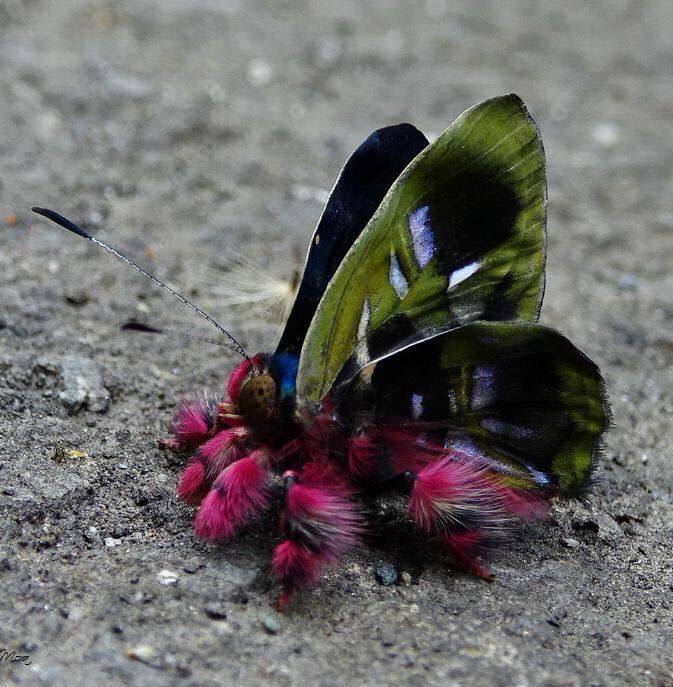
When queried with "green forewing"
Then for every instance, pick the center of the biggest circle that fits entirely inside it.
(459, 237)
(518, 396)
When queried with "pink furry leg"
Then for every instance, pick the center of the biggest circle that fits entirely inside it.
(509, 505)
(240, 491)
(320, 524)
(192, 425)
(463, 504)
(226, 447)
(465, 547)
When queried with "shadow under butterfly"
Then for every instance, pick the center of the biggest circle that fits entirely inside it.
(411, 359)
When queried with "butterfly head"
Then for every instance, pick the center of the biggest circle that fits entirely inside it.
(258, 398)
(252, 392)
(260, 390)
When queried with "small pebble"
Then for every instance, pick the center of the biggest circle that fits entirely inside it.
(192, 566)
(386, 574)
(83, 385)
(76, 296)
(141, 597)
(627, 282)
(143, 653)
(215, 611)
(111, 541)
(168, 578)
(259, 72)
(571, 543)
(217, 93)
(405, 577)
(127, 86)
(606, 134)
(271, 624)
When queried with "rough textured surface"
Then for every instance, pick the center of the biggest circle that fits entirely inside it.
(190, 130)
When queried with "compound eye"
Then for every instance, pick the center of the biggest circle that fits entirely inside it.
(257, 399)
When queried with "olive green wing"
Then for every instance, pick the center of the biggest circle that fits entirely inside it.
(460, 236)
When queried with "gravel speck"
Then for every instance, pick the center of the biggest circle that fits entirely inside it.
(83, 385)
(215, 611)
(386, 574)
(627, 282)
(192, 566)
(143, 653)
(271, 624)
(168, 578)
(571, 543)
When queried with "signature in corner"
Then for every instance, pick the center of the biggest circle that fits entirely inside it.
(13, 657)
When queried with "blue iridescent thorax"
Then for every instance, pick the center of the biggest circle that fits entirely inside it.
(283, 368)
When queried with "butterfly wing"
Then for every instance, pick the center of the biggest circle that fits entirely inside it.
(362, 184)
(517, 396)
(458, 237)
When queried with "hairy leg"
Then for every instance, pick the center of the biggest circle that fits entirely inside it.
(193, 424)
(237, 494)
(469, 507)
(320, 523)
(211, 458)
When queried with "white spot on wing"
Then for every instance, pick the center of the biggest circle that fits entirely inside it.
(361, 352)
(422, 239)
(364, 319)
(462, 273)
(509, 430)
(416, 405)
(396, 276)
(484, 387)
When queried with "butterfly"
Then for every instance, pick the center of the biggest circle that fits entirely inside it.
(411, 360)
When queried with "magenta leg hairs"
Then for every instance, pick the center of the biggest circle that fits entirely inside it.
(468, 507)
(192, 425)
(320, 523)
(238, 493)
(211, 458)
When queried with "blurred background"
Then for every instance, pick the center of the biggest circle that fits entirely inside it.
(202, 137)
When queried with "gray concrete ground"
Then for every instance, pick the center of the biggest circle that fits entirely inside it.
(188, 132)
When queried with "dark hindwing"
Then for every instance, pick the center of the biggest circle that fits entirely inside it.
(359, 190)
(519, 397)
